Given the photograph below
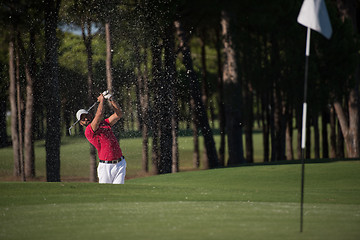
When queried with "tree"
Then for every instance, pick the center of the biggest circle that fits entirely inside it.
(350, 125)
(27, 27)
(3, 110)
(53, 94)
(170, 125)
(220, 84)
(87, 38)
(195, 92)
(14, 112)
(258, 74)
(30, 65)
(142, 93)
(86, 13)
(140, 47)
(158, 29)
(14, 21)
(109, 78)
(165, 98)
(232, 89)
(155, 108)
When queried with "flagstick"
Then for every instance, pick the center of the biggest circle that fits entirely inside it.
(303, 135)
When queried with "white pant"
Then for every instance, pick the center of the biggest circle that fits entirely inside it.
(112, 173)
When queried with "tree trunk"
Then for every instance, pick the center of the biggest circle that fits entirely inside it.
(19, 104)
(195, 92)
(109, 71)
(204, 88)
(339, 143)
(14, 112)
(145, 148)
(204, 82)
(278, 108)
(166, 103)
(316, 136)
(289, 136)
(155, 114)
(195, 127)
(275, 125)
(155, 149)
(175, 133)
(265, 118)
(283, 122)
(142, 92)
(53, 130)
(249, 125)
(332, 133)
(221, 106)
(90, 98)
(3, 119)
(170, 70)
(232, 90)
(175, 144)
(165, 121)
(109, 79)
(324, 134)
(350, 126)
(145, 109)
(29, 60)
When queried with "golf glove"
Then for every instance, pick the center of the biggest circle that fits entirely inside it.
(108, 96)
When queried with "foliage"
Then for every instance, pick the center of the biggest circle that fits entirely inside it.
(270, 50)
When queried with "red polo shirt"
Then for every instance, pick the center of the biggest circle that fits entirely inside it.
(104, 141)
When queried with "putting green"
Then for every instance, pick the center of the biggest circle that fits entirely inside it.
(255, 202)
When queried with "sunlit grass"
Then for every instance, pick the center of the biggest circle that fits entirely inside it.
(74, 155)
(252, 202)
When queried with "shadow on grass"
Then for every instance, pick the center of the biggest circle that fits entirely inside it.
(307, 161)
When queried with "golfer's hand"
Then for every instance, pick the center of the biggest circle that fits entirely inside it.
(108, 97)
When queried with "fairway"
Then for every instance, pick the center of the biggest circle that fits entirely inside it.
(253, 202)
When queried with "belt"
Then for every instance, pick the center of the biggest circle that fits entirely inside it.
(113, 161)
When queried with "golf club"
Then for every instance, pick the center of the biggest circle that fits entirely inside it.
(79, 120)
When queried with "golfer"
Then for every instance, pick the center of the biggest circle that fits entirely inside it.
(112, 165)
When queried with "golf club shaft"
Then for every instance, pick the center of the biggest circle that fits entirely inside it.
(92, 106)
(72, 126)
(79, 120)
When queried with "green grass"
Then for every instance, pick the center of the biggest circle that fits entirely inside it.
(74, 156)
(252, 202)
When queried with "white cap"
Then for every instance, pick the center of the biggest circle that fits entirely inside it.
(81, 112)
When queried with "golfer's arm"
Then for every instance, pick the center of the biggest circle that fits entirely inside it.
(98, 116)
(117, 113)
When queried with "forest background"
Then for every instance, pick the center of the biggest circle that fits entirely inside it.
(233, 67)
